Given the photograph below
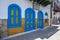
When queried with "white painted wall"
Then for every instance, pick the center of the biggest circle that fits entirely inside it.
(45, 9)
(5, 3)
(22, 3)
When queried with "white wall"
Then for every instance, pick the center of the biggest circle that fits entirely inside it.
(45, 9)
(22, 3)
(5, 3)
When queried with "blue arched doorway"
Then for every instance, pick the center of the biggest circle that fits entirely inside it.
(14, 16)
(29, 19)
(40, 20)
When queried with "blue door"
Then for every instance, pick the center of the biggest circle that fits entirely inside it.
(14, 16)
(29, 19)
(40, 20)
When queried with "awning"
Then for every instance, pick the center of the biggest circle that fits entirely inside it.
(56, 8)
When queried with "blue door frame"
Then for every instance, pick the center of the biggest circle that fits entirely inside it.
(29, 19)
(14, 16)
(40, 20)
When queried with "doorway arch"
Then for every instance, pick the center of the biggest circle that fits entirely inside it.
(29, 19)
(40, 20)
(14, 16)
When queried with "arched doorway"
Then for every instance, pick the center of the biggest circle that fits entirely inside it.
(40, 20)
(14, 24)
(29, 19)
(14, 16)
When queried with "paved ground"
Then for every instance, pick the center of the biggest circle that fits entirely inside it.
(51, 33)
(56, 36)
